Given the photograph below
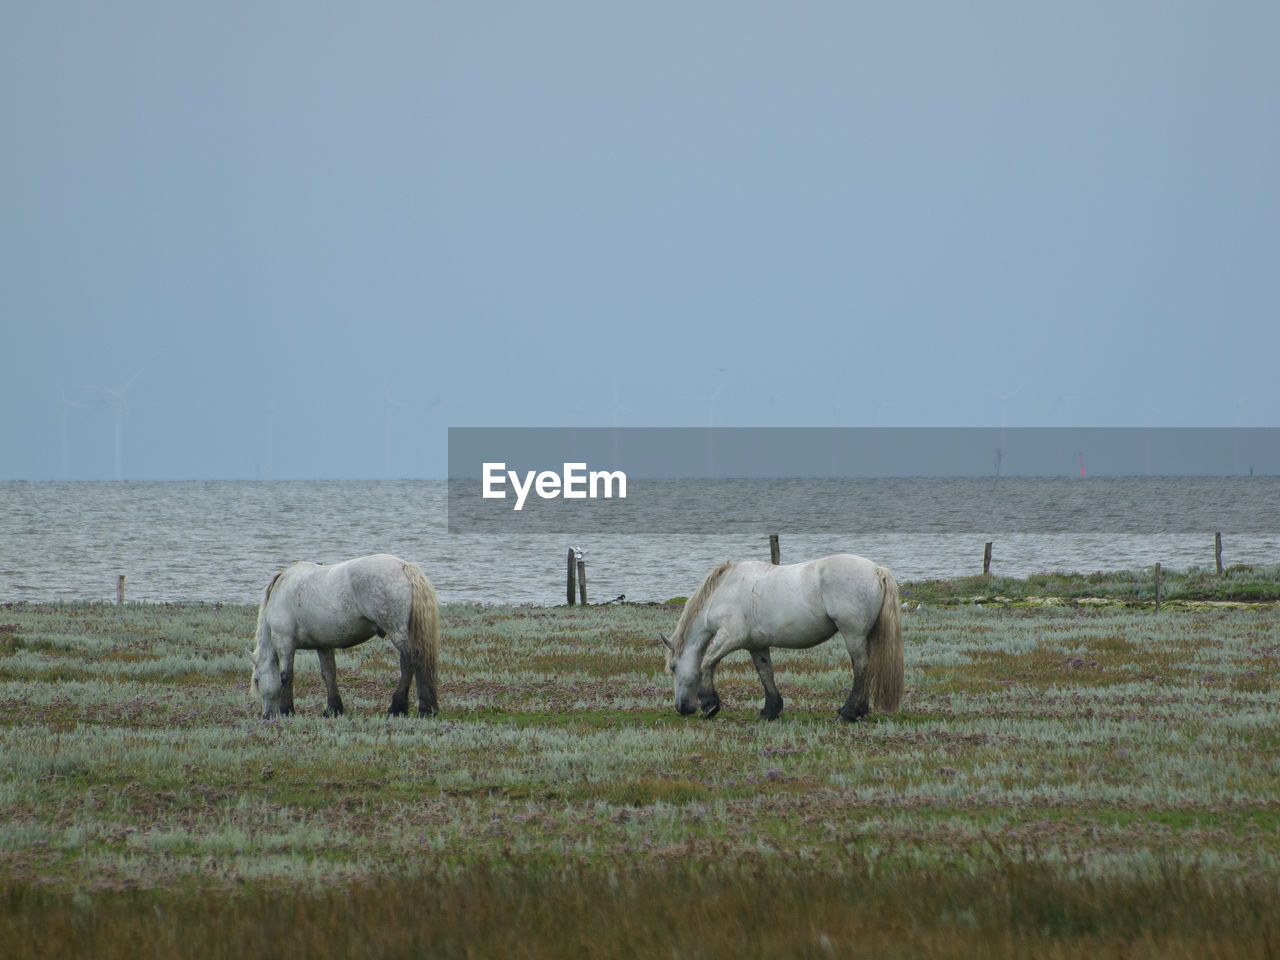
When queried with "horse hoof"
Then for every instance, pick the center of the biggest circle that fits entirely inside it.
(710, 712)
(845, 718)
(424, 712)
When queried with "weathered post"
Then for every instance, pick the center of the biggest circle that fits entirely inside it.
(775, 552)
(986, 560)
(1157, 588)
(582, 581)
(572, 565)
(120, 588)
(1217, 550)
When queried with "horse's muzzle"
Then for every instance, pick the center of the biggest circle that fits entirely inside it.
(685, 709)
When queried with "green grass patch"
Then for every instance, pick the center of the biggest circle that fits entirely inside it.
(1051, 766)
(646, 791)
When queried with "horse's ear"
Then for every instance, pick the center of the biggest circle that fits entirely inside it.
(666, 643)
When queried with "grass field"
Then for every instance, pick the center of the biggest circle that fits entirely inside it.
(1063, 780)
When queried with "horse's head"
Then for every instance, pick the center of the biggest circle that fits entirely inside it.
(684, 652)
(684, 669)
(266, 683)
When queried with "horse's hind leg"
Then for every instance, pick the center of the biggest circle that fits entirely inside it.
(772, 699)
(858, 703)
(426, 694)
(400, 698)
(329, 671)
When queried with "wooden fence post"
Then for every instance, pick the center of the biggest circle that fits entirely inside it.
(986, 560)
(775, 552)
(582, 581)
(1217, 550)
(120, 588)
(569, 588)
(1157, 588)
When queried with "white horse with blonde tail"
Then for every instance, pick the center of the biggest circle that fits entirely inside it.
(310, 606)
(753, 606)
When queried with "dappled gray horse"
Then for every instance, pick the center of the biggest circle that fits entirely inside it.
(310, 606)
(753, 606)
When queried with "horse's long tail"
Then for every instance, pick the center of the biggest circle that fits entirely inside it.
(884, 659)
(424, 630)
(263, 634)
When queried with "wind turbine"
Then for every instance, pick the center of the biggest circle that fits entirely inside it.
(388, 402)
(1235, 434)
(833, 437)
(67, 403)
(264, 471)
(431, 406)
(1004, 403)
(880, 405)
(1150, 407)
(1060, 405)
(116, 401)
(711, 463)
(617, 408)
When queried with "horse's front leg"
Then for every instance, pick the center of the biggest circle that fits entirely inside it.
(721, 645)
(286, 682)
(772, 699)
(329, 672)
(708, 699)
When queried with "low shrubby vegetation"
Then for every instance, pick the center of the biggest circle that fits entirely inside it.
(1195, 585)
(1099, 776)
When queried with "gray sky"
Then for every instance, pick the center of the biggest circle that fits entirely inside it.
(321, 233)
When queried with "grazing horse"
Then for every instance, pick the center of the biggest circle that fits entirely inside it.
(310, 606)
(753, 606)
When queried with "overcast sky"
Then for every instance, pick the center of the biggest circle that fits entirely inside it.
(308, 237)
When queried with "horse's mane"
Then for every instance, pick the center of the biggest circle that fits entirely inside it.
(262, 609)
(696, 603)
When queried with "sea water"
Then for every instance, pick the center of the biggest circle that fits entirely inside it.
(222, 541)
